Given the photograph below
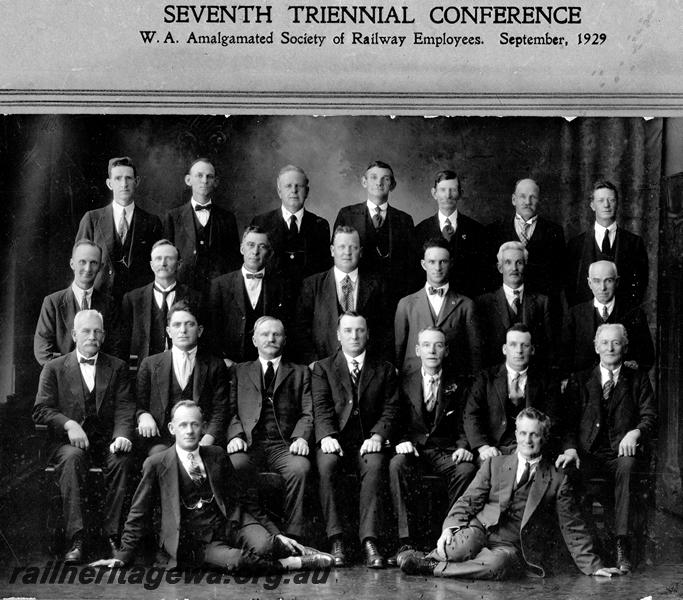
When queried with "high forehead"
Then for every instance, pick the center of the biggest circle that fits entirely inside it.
(187, 413)
(164, 250)
(609, 333)
(431, 336)
(346, 238)
(256, 238)
(292, 176)
(447, 183)
(604, 193)
(270, 325)
(183, 316)
(601, 270)
(527, 424)
(436, 253)
(86, 252)
(349, 322)
(202, 167)
(91, 321)
(121, 171)
(519, 337)
(527, 186)
(512, 254)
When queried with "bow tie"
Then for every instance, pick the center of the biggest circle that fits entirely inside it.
(87, 361)
(254, 275)
(199, 207)
(432, 291)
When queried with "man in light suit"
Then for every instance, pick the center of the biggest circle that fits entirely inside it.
(272, 419)
(430, 433)
(499, 393)
(606, 241)
(355, 402)
(85, 399)
(144, 311)
(511, 303)
(438, 305)
(465, 236)
(123, 230)
(584, 319)
(386, 233)
(300, 238)
(205, 521)
(239, 298)
(53, 336)
(326, 295)
(613, 414)
(183, 372)
(204, 233)
(500, 527)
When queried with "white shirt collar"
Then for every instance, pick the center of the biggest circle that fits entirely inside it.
(178, 353)
(427, 376)
(246, 271)
(510, 293)
(372, 206)
(604, 374)
(160, 288)
(521, 462)
(79, 356)
(520, 218)
(360, 359)
(443, 286)
(264, 362)
(600, 230)
(609, 305)
(194, 203)
(339, 275)
(118, 210)
(78, 292)
(453, 218)
(299, 214)
(512, 373)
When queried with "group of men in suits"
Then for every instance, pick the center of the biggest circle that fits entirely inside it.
(296, 365)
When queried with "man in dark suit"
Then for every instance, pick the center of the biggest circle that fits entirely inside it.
(355, 402)
(300, 238)
(438, 305)
(326, 295)
(205, 234)
(183, 372)
(386, 233)
(85, 399)
(205, 521)
(465, 237)
(543, 240)
(239, 298)
(123, 230)
(272, 419)
(499, 393)
(500, 527)
(53, 336)
(144, 311)
(431, 433)
(584, 319)
(613, 414)
(512, 303)
(606, 241)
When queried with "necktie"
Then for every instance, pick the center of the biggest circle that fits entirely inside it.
(123, 226)
(525, 475)
(448, 230)
(606, 247)
(605, 314)
(164, 310)
(516, 392)
(87, 361)
(269, 377)
(195, 471)
(432, 291)
(206, 207)
(517, 303)
(185, 370)
(347, 293)
(292, 225)
(524, 232)
(254, 275)
(84, 301)
(355, 372)
(377, 217)
(608, 387)
(430, 400)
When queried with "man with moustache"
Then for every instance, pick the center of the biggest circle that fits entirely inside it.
(204, 233)
(53, 336)
(144, 311)
(123, 230)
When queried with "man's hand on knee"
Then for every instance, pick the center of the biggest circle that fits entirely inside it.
(445, 539)
(77, 437)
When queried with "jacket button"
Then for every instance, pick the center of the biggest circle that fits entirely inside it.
(355, 412)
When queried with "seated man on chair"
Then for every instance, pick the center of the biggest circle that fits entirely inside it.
(497, 529)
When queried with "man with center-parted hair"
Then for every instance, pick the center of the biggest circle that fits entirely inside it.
(205, 520)
(501, 526)
(183, 371)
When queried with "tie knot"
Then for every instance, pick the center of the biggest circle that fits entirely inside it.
(346, 280)
(436, 291)
(611, 374)
(254, 275)
(292, 220)
(164, 292)
(87, 361)
(199, 207)
(516, 293)
(269, 364)
(378, 211)
(354, 363)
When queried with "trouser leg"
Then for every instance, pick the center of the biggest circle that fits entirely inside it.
(71, 465)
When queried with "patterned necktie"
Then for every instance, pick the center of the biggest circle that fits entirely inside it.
(432, 291)
(293, 229)
(605, 314)
(84, 301)
(269, 377)
(164, 312)
(254, 275)
(606, 247)
(517, 303)
(430, 400)
(195, 471)
(347, 293)
(516, 392)
(377, 217)
(608, 387)
(525, 475)
(355, 373)
(184, 370)
(448, 230)
(123, 226)
(524, 232)
(87, 361)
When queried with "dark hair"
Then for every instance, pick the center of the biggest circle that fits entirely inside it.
(605, 184)
(382, 165)
(521, 327)
(435, 243)
(186, 404)
(536, 415)
(446, 175)
(121, 161)
(256, 229)
(351, 313)
(344, 229)
(185, 306)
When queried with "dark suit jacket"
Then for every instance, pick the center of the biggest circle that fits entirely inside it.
(632, 406)
(545, 267)
(223, 246)
(228, 335)
(316, 233)
(160, 481)
(400, 269)
(447, 429)
(291, 400)
(457, 320)
(145, 229)
(485, 418)
(209, 390)
(136, 318)
(495, 321)
(56, 321)
(630, 257)
(333, 397)
(551, 500)
(578, 349)
(60, 396)
(317, 312)
(468, 252)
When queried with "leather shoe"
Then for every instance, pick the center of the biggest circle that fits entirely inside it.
(373, 559)
(75, 554)
(318, 560)
(337, 551)
(393, 560)
(414, 564)
(623, 555)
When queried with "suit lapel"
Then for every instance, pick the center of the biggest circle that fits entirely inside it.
(213, 475)
(416, 394)
(502, 308)
(68, 308)
(532, 389)
(105, 223)
(146, 301)
(255, 375)
(343, 375)
(539, 485)
(501, 387)
(508, 474)
(74, 379)
(450, 303)
(201, 368)
(329, 290)
(188, 224)
(366, 375)
(163, 378)
(282, 373)
(103, 374)
(620, 390)
(168, 484)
